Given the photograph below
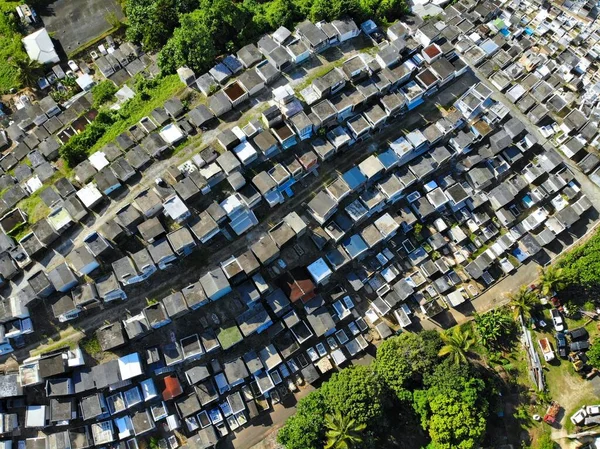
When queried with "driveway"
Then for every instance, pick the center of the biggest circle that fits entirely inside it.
(77, 22)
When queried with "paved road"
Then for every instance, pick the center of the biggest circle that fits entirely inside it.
(77, 22)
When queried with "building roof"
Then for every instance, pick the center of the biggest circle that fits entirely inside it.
(39, 47)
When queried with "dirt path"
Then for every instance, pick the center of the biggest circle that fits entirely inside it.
(572, 393)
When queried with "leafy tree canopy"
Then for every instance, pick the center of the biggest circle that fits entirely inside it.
(453, 408)
(305, 429)
(401, 361)
(495, 328)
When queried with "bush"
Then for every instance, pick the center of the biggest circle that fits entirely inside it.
(103, 92)
(77, 148)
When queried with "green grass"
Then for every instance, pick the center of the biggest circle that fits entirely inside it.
(137, 108)
(229, 336)
(91, 345)
(319, 73)
(34, 207)
(10, 46)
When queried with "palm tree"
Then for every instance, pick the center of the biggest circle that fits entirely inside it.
(457, 344)
(522, 302)
(551, 279)
(342, 431)
(27, 70)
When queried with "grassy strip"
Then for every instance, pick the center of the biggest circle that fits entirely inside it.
(10, 46)
(137, 108)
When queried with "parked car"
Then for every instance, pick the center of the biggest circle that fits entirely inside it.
(561, 344)
(557, 320)
(592, 410)
(72, 65)
(579, 345)
(579, 417)
(578, 334)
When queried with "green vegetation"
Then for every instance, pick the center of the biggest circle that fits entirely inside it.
(103, 92)
(77, 148)
(581, 270)
(523, 302)
(457, 344)
(453, 407)
(150, 94)
(407, 383)
(91, 345)
(194, 32)
(229, 336)
(34, 207)
(342, 432)
(552, 279)
(12, 53)
(495, 328)
(593, 354)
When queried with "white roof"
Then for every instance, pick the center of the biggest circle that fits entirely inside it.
(175, 207)
(98, 160)
(319, 270)
(89, 195)
(148, 389)
(35, 416)
(130, 366)
(39, 47)
(124, 426)
(33, 184)
(455, 298)
(245, 152)
(171, 133)
(231, 204)
(84, 81)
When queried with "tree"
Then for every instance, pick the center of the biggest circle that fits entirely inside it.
(453, 407)
(306, 428)
(593, 354)
(552, 279)
(280, 13)
(358, 393)
(192, 45)
(581, 269)
(402, 360)
(457, 343)
(522, 302)
(103, 92)
(495, 328)
(342, 432)
(151, 22)
(28, 70)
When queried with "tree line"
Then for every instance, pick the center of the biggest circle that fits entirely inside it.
(195, 32)
(417, 380)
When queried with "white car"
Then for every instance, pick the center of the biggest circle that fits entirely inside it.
(72, 65)
(579, 417)
(592, 410)
(557, 320)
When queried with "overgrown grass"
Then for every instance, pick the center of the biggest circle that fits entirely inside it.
(34, 207)
(229, 336)
(10, 45)
(319, 73)
(91, 345)
(138, 107)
